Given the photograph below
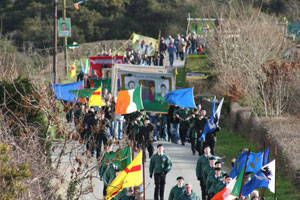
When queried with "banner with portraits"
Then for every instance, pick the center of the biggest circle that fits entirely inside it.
(155, 86)
(146, 45)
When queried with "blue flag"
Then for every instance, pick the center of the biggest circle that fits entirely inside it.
(255, 162)
(62, 91)
(265, 177)
(82, 67)
(183, 98)
(210, 125)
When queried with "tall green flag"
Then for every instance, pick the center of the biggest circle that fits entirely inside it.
(121, 158)
(237, 187)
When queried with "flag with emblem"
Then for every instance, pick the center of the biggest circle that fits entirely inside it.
(95, 98)
(255, 162)
(131, 176)
(263, 178)
(121, 158)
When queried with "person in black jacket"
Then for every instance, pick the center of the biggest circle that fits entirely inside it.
(102, 133)
(89, 123)
(199, 127)
(146, 134)
(211, 138)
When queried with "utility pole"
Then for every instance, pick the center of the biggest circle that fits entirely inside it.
(55, 43)
(65, 39)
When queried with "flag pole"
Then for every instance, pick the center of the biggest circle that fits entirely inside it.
(270, 143)
(244, 173)
(144, 178)
(275, 196)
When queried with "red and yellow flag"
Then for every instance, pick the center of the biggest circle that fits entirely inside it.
(73, 70)
(131, 176)
(95, 98)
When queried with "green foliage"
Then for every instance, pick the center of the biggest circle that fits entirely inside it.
(230, 144)
(11, 175)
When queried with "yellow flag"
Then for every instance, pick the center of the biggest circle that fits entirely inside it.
(131, 176)
(73, 70)
(95, 98)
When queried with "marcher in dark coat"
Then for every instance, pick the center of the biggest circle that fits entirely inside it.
(146, 134)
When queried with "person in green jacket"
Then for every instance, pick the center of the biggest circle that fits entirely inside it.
(212, 182)
(188, 193)
(160, 165)
(177, 189)
(203, 161)
(212, 172)
(222, 184)
(108, 176)
(183, 114)
(209, 168)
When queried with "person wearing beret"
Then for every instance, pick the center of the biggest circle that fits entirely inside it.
(188, 193)
(178, 189)
(203, 161)
(212, 182)
(212, 172)
(160, 165)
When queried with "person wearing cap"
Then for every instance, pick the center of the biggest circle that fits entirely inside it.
(212, 172)
(188, 194)
(209, 168)
(212, 182)
(178, 189)
(203, 161)
(136, 125)
(146, 135)
(160, 165)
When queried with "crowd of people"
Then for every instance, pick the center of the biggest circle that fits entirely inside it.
(177, 48)
(97, 128)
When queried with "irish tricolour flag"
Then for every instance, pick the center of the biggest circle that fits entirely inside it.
(129, 101)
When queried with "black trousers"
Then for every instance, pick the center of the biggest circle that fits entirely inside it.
(150, 148)
(199, 147)
(159, 181)
(203, 188)
(102, 138)
(193, 145)
(182, 132)
(212, 145)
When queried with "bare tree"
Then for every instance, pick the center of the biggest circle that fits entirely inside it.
(246, 41)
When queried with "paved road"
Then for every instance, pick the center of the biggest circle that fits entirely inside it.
(183, 165)
(184, 162)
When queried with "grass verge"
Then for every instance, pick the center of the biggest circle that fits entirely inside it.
(230, 145)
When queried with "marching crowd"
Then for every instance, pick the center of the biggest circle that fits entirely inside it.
(98, 127)
(178, 47)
